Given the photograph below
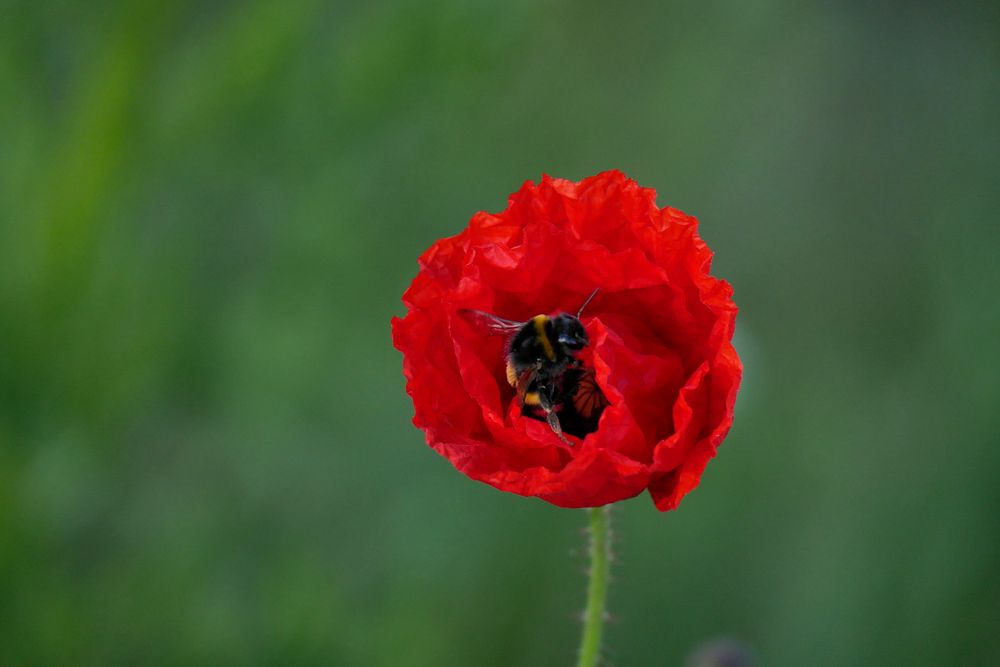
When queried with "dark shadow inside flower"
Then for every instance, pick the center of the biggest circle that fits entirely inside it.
(578, 404)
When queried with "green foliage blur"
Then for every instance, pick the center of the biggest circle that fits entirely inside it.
(209, 211)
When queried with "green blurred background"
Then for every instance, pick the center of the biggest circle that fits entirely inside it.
(209, 211)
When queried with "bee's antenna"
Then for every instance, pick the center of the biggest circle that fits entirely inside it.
(589, 298)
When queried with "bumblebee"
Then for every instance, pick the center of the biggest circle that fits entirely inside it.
(550, 381)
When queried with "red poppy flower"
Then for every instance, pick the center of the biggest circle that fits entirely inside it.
(659, 348)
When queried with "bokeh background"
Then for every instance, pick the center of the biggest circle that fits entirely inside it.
(209, 211)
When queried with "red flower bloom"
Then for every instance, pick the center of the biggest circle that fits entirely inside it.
(659, 333)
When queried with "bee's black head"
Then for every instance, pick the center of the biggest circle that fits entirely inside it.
(569, 333)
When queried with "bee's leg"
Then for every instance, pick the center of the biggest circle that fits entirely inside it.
(551, 417)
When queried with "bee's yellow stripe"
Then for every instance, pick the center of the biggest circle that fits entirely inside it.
(539, 321)
(531, 398)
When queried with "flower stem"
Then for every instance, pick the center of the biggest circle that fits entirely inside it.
(597, 587)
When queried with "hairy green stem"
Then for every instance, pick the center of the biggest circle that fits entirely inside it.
(597, 587)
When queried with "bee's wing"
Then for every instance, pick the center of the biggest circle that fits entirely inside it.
(490, 324)
(588, 398)
(523, 380)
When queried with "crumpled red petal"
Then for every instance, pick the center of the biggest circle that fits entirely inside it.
(660, 332)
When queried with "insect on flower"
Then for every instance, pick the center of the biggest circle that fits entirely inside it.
(647, 379)
(550, 381)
